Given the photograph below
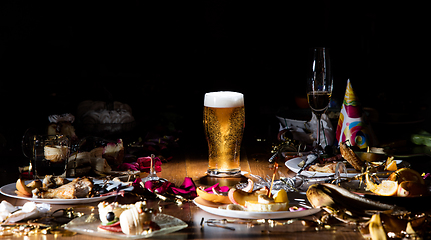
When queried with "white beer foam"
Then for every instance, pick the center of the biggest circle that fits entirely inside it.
(224, 99)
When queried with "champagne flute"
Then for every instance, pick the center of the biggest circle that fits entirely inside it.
(319, 84)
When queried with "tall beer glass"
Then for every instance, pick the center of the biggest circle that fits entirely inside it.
(224, 120)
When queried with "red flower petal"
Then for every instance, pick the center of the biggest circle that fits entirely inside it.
(188, 187)
(217, 188)
(163, 187)
(144, 164)
(157, 186)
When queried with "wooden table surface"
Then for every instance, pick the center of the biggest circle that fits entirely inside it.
(194, 166)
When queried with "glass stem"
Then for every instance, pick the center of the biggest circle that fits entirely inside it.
(153, 166)
(318, 129)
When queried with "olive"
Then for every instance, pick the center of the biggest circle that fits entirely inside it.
(110, 216)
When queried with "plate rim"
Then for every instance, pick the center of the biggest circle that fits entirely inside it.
(294, 168)
(122, 235)
(254, 215)
(12, 188)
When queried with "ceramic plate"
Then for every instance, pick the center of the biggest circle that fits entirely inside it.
(88, 224)
(213, 208)
(9, 191)
(292, 164)
(418, 203)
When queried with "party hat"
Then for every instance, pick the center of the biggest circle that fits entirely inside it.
(351, 125)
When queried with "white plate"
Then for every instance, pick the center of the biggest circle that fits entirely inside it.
(213, 208)
(292, 164)
(88, 224)
(9, 191)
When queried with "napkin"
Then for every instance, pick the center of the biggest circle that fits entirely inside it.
(300, 129)
(30, 210)
(351, 123)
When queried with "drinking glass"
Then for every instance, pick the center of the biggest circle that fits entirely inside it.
(319, 84)
(152, 176)
(51, 154)
(224, 119)
(27, 147)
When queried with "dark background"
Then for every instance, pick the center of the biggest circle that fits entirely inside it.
(162, 56)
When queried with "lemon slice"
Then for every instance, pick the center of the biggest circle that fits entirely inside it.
(281, 196)
(386, 188)
(391, 165)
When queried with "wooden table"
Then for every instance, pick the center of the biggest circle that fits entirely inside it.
(194, 166)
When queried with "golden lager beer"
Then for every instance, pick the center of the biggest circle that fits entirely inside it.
(224, 119)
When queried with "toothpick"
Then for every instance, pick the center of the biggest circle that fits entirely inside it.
(151, 163)
(273, 177)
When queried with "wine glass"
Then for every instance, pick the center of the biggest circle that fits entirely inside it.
(319, 84)
(27, 147)
(152, 176)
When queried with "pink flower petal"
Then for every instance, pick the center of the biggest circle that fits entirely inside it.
(163, 187)
(144, 164)
(137, 182)
(149, 185)
(128, 166)
(296, 209)
(157, 186)
(180, 190)
(217, 188)
(188, 187)
(137, 185)
(188, 183)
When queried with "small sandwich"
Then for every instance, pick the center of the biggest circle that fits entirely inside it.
(131, 219)
(109, 214)
(266, 204)
(55, 153)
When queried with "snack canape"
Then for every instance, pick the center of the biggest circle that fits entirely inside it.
(250, 186)
(246, 199)
(137, 220)
(109, 214)
(131, 219)
(114, 152)
(215, 194)
(404, 182)
(55, 153)
(238, 196)
(259, 201)
(265, 202)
